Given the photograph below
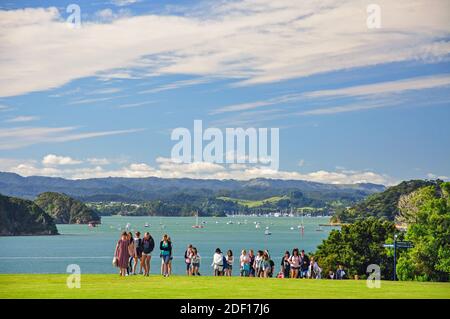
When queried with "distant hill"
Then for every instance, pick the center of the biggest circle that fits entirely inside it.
(66, 210)
(23, 217)
(381, 205)
(143, 189)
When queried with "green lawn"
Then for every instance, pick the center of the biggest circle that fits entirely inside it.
(112, 286)
(253, 203)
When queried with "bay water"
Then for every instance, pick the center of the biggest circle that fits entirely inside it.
(92, 249)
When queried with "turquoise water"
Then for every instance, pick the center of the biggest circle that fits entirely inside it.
(92, 248)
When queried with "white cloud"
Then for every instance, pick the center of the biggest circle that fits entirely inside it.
(22, 118)
(18, 137)
(122, 3)
(166, 168)
(238, 40)
(98, 161)
(55, 160)
(388, 87)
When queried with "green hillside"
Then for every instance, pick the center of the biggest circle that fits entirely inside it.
(66, 210)
(23, 217)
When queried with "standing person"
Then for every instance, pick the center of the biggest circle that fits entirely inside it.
(244, 261)
(130, 253)
(166, 249)
(121, 253)
(314, 271)
(217, 262)
(171, 257)
(258, 263)
(340, 273)
(285, 265)
(148, 244)
(294, 262)
(304, 265)
(230, 261)
(251, 261)
(187, 259)
(195, 262)
(265, 265)
(137, 253)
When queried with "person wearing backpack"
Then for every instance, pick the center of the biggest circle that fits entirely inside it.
(138, 253)
(148, 244)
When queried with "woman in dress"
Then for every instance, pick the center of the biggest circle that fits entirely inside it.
(122, 254)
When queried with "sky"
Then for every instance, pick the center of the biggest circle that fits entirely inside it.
(353, 103)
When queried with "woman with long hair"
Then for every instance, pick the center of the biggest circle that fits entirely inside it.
(148, 244)
(230, 261)
(121, 253)
(294, 262)
(131, 253)
(166, 250)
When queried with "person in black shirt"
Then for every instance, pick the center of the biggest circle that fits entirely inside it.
(304, 264)
(285, 265)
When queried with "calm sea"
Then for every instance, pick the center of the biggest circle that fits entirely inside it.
(92, 248)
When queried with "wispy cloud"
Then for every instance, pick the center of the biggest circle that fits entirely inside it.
(131, 105)
(175, 85)
(22, 118)
(233, 40)
(18, 137)
(388, 87)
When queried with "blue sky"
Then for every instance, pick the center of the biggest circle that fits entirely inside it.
(353, 104)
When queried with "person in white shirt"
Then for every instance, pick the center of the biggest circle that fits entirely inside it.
(218, 263)
(244, 263)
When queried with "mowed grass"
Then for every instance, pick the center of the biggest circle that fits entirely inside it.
(253, 203)
(113, 286)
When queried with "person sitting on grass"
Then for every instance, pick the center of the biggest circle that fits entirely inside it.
(195, 262)
(340, 273)
(166, 248)
(217, 263)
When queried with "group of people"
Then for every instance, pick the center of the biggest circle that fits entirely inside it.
(131, 251)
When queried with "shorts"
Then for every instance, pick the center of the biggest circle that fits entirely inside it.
(165, 258)
(138, 254)
(188, 266)
(195, 265)
(230, 267)
(147, 254)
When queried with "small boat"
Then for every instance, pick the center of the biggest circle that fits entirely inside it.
(197, 225)
(229, 222)
(319, 228)
(257, 226)
(292, 228)
(146, 225)
(267, 232)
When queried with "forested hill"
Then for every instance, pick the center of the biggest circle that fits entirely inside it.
(151, 188)
(66, 210)
(23, 217)
(381, 205)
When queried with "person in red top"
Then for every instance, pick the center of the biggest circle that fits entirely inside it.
(122, 255)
